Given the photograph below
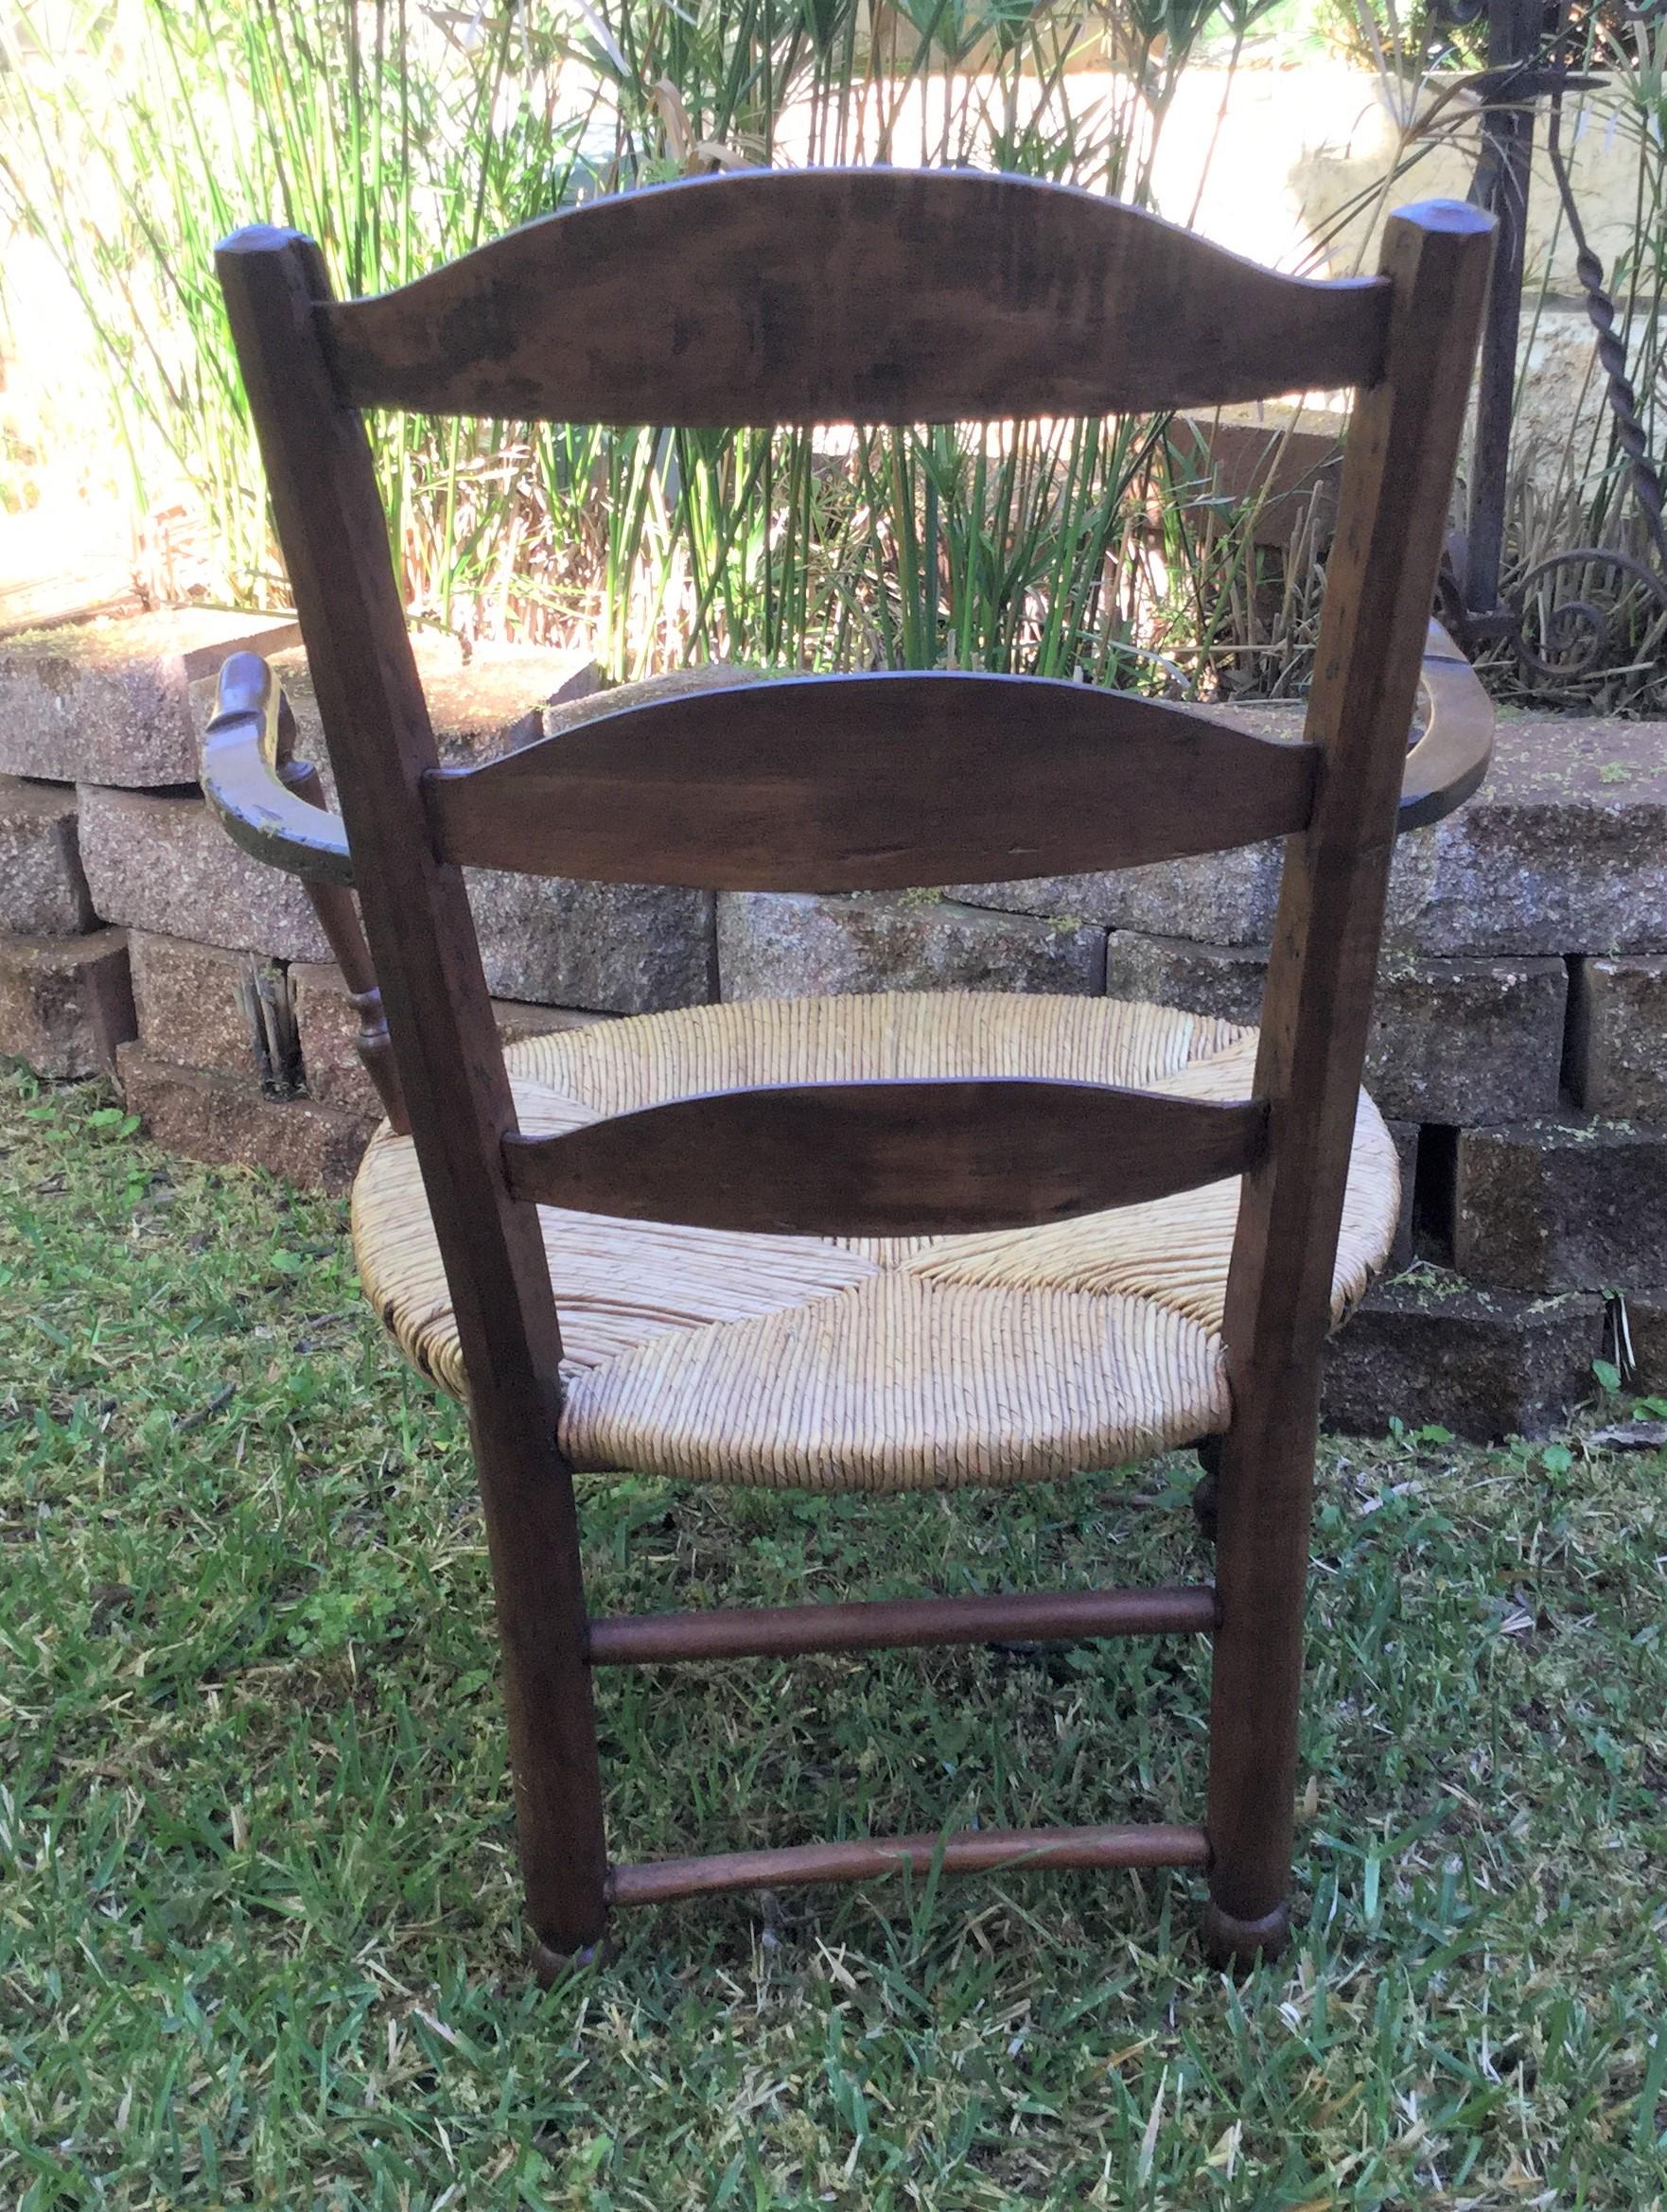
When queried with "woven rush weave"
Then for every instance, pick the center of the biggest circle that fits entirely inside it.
(872, 1363)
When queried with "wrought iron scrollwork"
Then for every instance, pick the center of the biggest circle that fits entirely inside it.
(1579, 615)
(1611, 347)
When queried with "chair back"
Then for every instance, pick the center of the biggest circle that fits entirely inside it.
(871, 296)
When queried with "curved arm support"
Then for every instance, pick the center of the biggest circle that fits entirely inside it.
(273, 806)
(259, 791)
(1449, 761)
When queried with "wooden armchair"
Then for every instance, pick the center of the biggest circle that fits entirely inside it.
(903, 1240)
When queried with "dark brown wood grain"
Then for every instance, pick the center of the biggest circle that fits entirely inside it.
(273, 806)
(850, 296)
(978, 1850)
(1398, 474)
(1449, 761)
(871, 782)
(888, 1159)
(422, 939)
(880, 296)
(259, 810)
(1062, 1616)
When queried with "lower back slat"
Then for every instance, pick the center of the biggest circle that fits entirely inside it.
(888, 1159)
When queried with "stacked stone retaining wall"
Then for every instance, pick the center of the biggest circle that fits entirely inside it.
(1518, 1047)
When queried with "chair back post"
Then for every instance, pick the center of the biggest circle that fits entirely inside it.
(1398, 474)
(334, 534)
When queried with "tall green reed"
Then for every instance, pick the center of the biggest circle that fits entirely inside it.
(133, 136)
(130, 140)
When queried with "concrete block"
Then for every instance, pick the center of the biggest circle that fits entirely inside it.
(162, 863)
(1559, 852)
(199, 1006)
(806, 945)
(1617, 1065)
(489, 701)
(1427, 1347)
(325, 1028)
(1210, 898)
(1452, 1041)
(1561, 1205)
(1467, 1040)
(500, 697)
(122, 701)
(43, 890)
(1646, 1326)
(1225, 981)
(231, 1123)
(65, 1003)
(611, 948)
(328, 1029)
(1213, 898)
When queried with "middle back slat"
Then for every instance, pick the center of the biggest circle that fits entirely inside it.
(871, 782)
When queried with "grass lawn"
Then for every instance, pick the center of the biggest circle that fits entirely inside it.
(258, 1932)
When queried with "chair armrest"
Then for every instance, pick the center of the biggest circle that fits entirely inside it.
(270, 803)
(273, 806)
(1450, 759)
